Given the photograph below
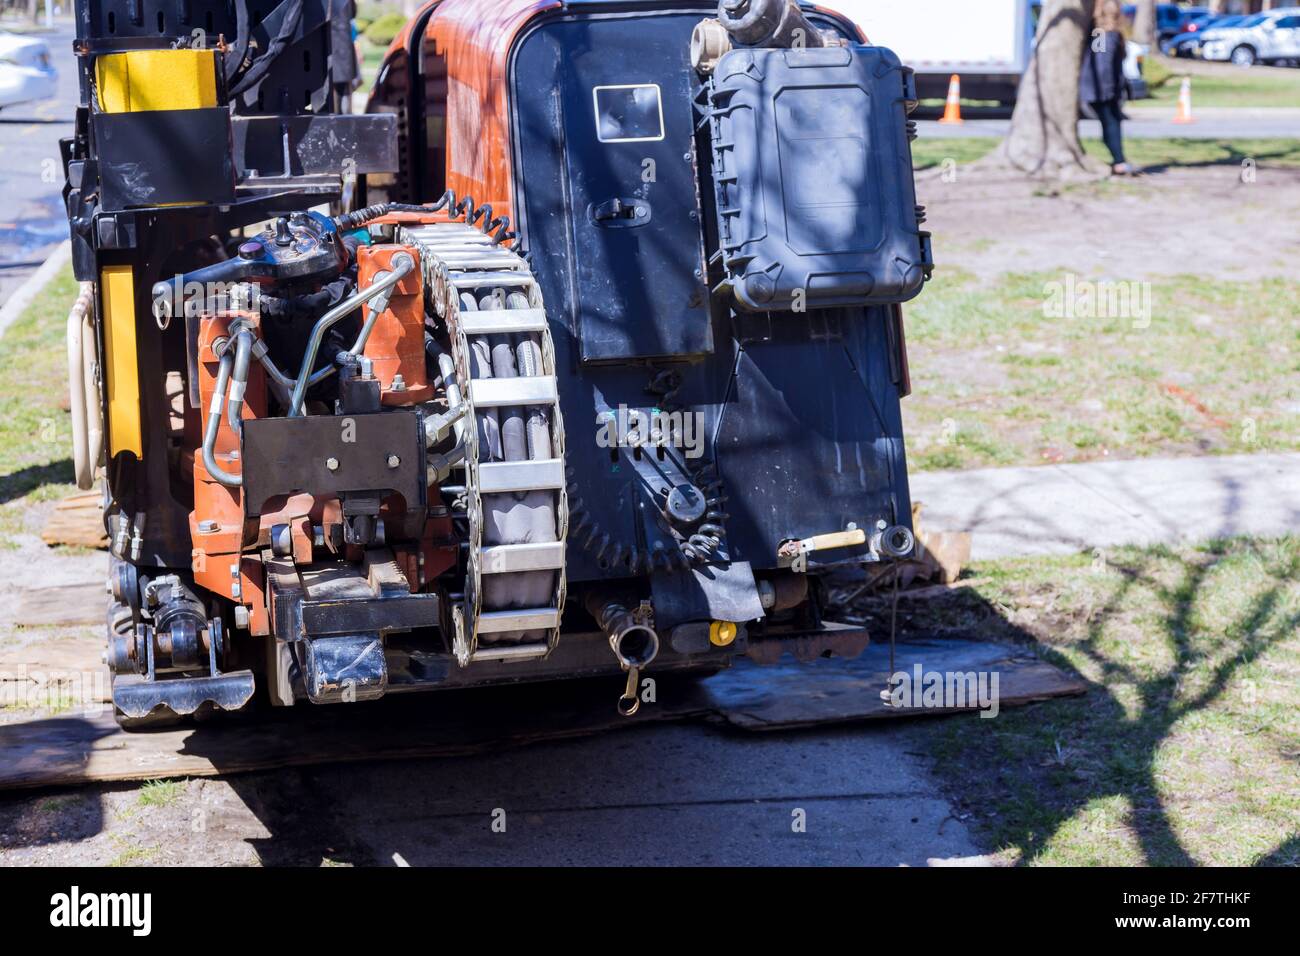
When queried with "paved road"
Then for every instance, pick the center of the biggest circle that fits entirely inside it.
(1063, 509)
(1144, 123)
(32, 220)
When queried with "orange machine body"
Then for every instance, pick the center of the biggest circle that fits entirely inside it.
(218, 541)
(476, 39)
(396, 343)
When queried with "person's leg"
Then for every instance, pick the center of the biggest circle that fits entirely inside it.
(1111, 131)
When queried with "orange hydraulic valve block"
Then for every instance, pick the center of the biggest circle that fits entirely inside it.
(395, 347)
(219, 527)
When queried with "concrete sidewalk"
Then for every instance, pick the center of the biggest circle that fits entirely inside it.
(1062, 509)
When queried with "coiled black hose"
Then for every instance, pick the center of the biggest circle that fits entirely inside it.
(497, 227)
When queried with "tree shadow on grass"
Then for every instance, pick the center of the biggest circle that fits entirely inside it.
(1040, 769)
(1235, 157)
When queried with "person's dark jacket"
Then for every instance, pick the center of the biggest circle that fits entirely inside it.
(1102, 76)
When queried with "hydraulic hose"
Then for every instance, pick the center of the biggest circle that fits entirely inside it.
(87, 431)
(497, 227)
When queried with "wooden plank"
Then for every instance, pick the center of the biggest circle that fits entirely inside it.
(77, 521)
(77, 748)
(62, 604)
(833, 691)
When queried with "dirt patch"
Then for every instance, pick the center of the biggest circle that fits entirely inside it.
(1185, 221)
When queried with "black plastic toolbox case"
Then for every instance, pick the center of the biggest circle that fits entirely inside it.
(829, 217)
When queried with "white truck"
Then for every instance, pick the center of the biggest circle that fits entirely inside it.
(987, 42)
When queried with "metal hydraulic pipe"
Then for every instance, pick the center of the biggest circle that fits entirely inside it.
(402, 264)
(239, 380)
(214, 424)
(284, 381)
(633, 642)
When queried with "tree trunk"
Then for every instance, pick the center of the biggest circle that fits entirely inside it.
(1044, 137)
(1144, 22)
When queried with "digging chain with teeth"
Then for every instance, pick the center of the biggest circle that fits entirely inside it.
(514, 590)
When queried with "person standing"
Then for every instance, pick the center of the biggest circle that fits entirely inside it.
(1101, 80)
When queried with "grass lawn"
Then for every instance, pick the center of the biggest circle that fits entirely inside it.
(35, 428)
(930, 152)
(1257, 86)
(1216, 370)
(1186, 748)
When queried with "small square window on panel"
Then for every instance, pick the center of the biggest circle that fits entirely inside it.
(631, 113)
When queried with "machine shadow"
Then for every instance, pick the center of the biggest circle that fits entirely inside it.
(417, 780)
(349, 772)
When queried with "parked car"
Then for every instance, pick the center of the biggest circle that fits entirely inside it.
(26, 73)
(1272, 37)
(1170, 17)
(1188, 42)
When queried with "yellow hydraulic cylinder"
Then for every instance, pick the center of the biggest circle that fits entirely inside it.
(117, 297)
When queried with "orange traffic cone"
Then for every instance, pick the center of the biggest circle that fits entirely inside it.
(952, 111)
(1184, 114)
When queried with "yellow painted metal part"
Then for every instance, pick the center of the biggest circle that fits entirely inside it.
(721, 633)
(142, 80)
(117, 294)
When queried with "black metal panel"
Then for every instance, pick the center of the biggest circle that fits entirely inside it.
(623, 223)
(164, 157)
(793, 402)
(282, 456)
(317, 145)
(400, 613)
(812, 439)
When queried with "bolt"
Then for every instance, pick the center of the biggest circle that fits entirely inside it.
(332, 464)
(398, 384)
(393, 461)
